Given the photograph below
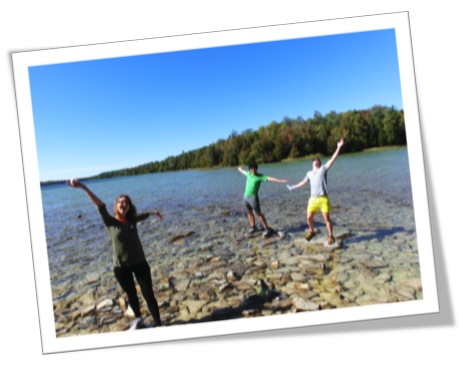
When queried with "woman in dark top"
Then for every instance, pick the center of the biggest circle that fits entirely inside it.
(128, 256)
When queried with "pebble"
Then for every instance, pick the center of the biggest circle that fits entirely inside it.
(231, 276)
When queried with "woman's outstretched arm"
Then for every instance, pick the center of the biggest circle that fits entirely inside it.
(76, 184)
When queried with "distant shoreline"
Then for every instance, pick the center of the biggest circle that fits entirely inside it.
(286, 160)
(366, 150)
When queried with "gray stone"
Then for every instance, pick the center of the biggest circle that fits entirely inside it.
(106, 303)
(305, 305)
(182, 285)
(299, 277)
(284, 304)
(87, 310)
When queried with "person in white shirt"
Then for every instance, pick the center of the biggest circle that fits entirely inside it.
(319, 200)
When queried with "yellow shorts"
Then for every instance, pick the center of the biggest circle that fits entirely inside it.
(320, 203)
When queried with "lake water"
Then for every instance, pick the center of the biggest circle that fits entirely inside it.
(370, 193)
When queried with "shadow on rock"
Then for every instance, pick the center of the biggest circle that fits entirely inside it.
(380, 234)
(251, 305)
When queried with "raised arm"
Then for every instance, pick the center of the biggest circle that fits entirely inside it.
(335, 154)
(76, 184)
(241, 170)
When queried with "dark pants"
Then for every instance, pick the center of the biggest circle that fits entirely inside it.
(124, 276)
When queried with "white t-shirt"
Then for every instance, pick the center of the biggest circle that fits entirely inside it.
(318, 181)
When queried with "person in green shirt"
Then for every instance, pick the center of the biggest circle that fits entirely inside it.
(128, 256)
(251, 197)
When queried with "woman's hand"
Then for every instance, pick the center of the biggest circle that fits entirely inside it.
(157, 214)
(74, 182)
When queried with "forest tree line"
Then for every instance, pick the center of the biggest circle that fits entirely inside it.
(378, 126)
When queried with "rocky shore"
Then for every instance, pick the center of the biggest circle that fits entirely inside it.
(222, 275)
(205, 269)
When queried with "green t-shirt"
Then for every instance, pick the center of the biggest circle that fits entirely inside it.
(253, 183)
(127, 247)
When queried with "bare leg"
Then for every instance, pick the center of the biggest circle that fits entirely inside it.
(262, 219)
(252, 219)
(329, 225)
(310, 221)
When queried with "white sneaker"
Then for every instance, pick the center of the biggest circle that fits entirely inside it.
(137, 324)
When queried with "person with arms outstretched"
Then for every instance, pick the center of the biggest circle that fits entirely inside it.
(251, 197)
(128, 255)
(319, 200)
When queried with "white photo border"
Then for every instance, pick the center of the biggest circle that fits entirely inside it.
(23, 60)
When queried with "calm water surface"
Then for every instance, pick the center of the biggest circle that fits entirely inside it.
(370, 193)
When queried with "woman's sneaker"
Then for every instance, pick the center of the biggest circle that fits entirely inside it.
(137, 324)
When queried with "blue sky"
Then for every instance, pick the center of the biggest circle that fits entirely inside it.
(102, 115)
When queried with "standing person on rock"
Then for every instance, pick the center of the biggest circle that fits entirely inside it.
(128, 255)
(251, 198)
(319, 200)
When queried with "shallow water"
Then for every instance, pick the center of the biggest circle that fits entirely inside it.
(370, 193)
